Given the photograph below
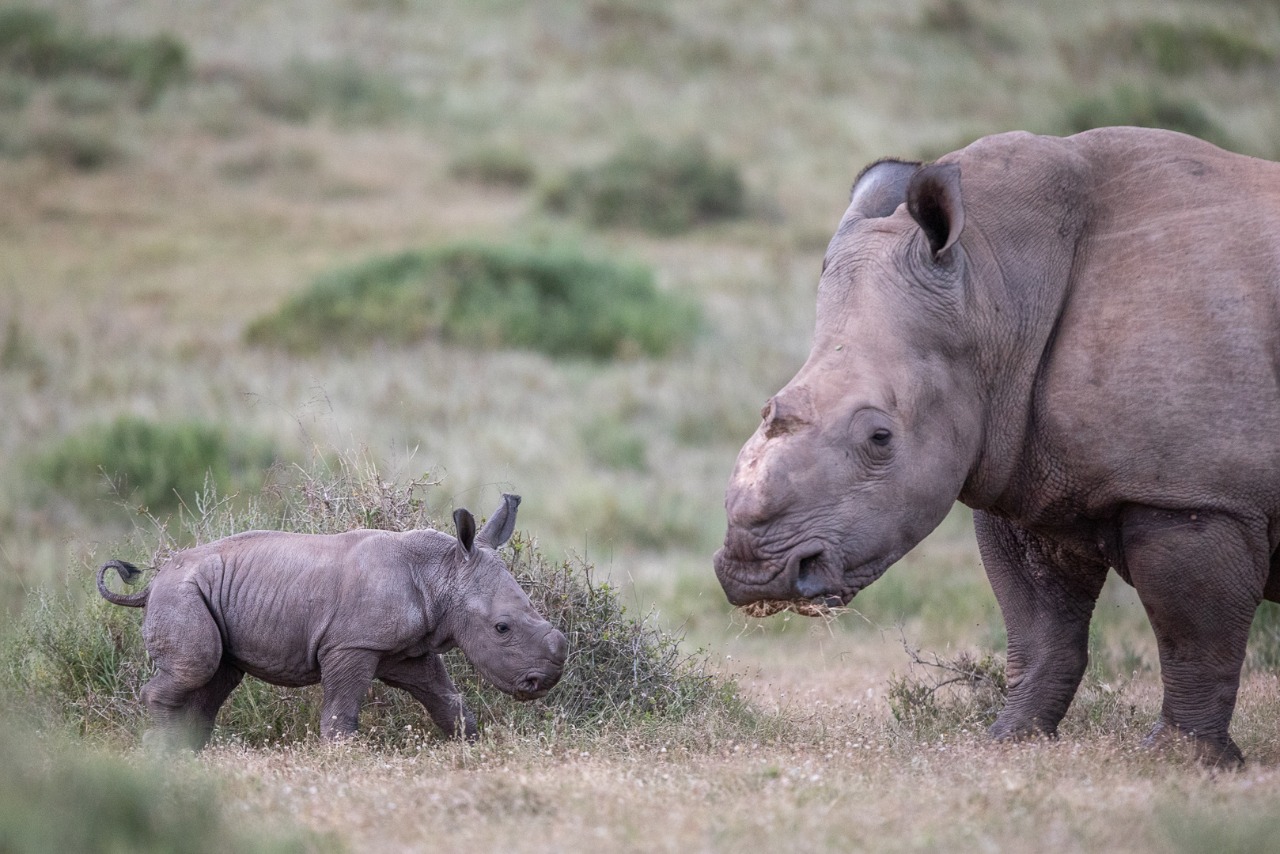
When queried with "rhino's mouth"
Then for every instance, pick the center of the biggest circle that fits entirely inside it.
(811, 580)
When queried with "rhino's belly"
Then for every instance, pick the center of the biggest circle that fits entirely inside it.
(280, 660)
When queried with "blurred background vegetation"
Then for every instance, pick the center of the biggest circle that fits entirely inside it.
(564, 249)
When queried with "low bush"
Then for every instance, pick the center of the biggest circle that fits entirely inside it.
(1182, 49)
(1149, 108)
(341, 90)
(65, 799)
(551, 300)
(154, 465)
(495, 167)
(33, 43)
(655, 187)
(77, 662)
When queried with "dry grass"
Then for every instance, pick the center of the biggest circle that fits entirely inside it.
(126, 291)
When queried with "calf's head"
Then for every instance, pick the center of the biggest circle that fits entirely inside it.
(490, 616)
(864, 451)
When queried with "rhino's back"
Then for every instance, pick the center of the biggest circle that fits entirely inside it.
(282, 600)
(1162, 383)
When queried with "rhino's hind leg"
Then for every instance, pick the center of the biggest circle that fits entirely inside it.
(427, 681)
(186, 647)
(1046, 596)
(1200, 577)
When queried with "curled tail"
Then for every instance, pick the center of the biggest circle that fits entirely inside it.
(128, 572)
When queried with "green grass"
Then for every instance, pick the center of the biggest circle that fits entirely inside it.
(665, 189)
(1146, 107)
(553, 300)
(342, 90)
(155, 466)
(60, 797)
(77, 663)
(32, 42)
(1182, 49)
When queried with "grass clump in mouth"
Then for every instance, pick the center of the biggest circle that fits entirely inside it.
(78, 662)
(552, 300)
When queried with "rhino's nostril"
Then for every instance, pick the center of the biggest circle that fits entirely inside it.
(810, 582)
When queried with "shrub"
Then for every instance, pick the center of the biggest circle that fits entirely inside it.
(555, 301)
(343, 90)
(65, 799)
(1183, 49)
(1145, 108)
(80, 661)
(943, 695)
(654, 187)
(155, 465)
(32, 43)
(497, 167)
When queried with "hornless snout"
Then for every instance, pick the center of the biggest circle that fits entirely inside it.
(536, 683)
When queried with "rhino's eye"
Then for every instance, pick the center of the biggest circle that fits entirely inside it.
(881, 437)
(501, 628)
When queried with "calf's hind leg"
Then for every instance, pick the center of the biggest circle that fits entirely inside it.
(186, 648)
(1200, 577)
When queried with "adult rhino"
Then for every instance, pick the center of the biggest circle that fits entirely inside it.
(341, 610)
(1079, 338)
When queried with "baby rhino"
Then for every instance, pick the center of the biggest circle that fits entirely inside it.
(341, 610)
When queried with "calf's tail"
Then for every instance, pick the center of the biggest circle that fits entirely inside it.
(128, 572)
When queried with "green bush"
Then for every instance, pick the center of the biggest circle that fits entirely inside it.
(32, 43)
(496, 167)
(343, 90)
(77, 662)
(555, 301)
(1184, 49)
(154, 465)
(64, 799)
(1149, 108)
(654, 187)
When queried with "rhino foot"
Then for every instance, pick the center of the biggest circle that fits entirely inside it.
(1221, 752)
(1008, 729)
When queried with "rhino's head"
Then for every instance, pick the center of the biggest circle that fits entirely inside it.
(491, 618)
(864, 452)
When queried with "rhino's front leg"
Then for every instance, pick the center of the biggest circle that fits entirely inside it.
(1200, 577)
(426, 679)
(345, 676)
(1046, 596)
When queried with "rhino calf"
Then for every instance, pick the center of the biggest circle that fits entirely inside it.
(341, 610)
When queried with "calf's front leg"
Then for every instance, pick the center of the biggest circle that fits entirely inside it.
(345, 676)
(427, 681)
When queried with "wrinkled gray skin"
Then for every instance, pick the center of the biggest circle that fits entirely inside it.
(1080, 339)
(341, 610)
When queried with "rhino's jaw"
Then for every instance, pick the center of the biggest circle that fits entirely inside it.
(809, 572)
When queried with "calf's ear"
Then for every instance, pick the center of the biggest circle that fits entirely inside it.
(465, 524)
(501, 524)
(933, 200)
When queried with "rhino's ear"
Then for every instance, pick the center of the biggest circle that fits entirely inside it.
(501, 524)
(881, 187)
(465, 524)
(933, 200)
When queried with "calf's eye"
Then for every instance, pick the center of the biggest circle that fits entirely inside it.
(881, 437)
(502, 628)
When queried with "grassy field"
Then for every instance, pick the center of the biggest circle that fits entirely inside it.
(174, 174)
